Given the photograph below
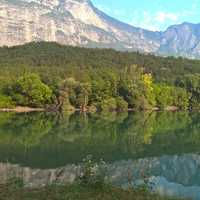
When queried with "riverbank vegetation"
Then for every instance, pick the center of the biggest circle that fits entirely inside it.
(56, 77)
(74, 192)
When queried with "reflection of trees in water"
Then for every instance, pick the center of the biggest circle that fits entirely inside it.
(25, 129)
(181, 133)
(111, 136)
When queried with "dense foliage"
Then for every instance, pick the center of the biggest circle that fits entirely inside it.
(62, 77)
(29, 90)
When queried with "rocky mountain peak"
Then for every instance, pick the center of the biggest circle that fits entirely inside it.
(56, 2)
(182, 39)
(79, 22)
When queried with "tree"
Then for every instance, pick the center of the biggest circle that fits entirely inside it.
(191, 83)
(109, 104)
(29, 90)
(136, 88)
(181, 98)
(149, 89)
(163, 96)
(66, 94)
(6, 102)
(83, 91)
(122, 105)
(129, 85)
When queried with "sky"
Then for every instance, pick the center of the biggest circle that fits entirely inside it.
(154, 15)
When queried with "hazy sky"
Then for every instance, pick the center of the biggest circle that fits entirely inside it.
(152, 14)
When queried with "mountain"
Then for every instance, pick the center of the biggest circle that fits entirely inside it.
(183, 39)
(73, 22)
(79, 23)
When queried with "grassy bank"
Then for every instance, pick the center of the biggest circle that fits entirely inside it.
(74, 192)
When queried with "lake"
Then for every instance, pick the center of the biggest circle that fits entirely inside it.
(43, 147)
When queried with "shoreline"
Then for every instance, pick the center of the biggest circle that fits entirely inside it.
(21, 109)
(26, 109)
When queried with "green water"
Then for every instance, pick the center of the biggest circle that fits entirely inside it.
(165, 145)
(41, 140)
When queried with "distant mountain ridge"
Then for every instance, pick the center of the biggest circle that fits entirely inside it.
(80, 23)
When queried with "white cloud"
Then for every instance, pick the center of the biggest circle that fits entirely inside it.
(162, 17)
(154, 21)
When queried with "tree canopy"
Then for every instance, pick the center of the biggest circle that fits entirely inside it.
(40, 74)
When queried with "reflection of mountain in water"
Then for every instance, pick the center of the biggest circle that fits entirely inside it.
(184, 169)
(41, 140)
(178, 175)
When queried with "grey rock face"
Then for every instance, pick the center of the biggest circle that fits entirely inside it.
(72, 22)
(183, 39)
(79, 23)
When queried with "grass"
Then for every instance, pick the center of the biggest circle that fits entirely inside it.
(74, 192)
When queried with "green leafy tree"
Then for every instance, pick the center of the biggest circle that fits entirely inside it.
(29, 90)
(83, 92)
(6, 102)
(181, 98)
(122, 105)
(66, 94)
(191, 83)
(149, 89)
(163, 96)
(109, 104)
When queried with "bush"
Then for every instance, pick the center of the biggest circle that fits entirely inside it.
(6, 102)
(122, 105)
(91, 173)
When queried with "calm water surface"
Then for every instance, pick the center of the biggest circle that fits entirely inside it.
(165, 145)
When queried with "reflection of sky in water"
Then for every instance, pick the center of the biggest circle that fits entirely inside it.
(166, 188)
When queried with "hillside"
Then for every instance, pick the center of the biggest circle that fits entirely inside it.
(55, 59)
